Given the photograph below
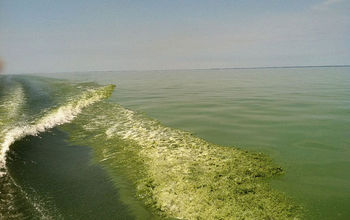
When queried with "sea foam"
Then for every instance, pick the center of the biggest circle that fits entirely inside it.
(54, 117)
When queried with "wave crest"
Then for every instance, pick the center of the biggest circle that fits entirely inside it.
(54, 117)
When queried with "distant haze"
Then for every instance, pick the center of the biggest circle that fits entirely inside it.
(64, 36)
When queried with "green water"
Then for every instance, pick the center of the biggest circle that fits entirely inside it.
(89, 167)
(63, 180)
(298, 116)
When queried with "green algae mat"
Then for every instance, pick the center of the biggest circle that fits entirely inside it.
(176, 174)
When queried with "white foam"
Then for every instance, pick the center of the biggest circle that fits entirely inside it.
(13, 102)
(55, 117)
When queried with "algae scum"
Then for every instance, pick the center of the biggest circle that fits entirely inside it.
(169, 171)
(177, 174)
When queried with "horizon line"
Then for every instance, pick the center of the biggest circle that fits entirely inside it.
(213, 68)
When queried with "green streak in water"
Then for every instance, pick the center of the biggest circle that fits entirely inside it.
(178, 175)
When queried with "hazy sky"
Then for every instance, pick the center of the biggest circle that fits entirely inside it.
(72, 35)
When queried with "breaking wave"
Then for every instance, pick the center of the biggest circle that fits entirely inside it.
(16, 122)
(54, 117)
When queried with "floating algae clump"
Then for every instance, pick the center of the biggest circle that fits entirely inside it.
(177, 174)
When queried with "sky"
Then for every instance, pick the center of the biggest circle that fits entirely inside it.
(86, 35)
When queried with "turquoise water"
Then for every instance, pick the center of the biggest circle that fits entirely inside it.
(298, 116)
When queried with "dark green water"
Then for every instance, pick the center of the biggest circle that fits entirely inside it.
(299, 116)
(63, 179)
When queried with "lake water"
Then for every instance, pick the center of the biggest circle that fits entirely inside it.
(300, 117)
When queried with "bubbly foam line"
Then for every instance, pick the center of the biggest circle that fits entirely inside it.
(13, 102)
(10, 107)
(61, 115)
(38, 205)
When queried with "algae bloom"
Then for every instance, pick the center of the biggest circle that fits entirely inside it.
(178, 175)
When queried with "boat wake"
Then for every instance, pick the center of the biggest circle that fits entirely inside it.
(173, 173)
(54, 117)
(15, 125)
